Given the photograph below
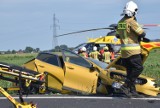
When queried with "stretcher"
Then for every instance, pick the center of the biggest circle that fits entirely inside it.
(23, 79)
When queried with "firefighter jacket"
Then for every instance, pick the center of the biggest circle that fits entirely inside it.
(129, 31)
(94, 55)
(107, 56)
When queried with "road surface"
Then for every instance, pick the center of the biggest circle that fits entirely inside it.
(63, 101)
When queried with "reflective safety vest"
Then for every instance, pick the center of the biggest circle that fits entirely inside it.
(129, 30)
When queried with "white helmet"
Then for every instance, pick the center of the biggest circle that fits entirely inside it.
(105, 48)
(83, 49)
(94, 48)
(130, 9)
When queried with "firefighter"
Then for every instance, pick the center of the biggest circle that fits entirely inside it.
(130, 34)
(94, 54)
(106, 55)
(83, 52)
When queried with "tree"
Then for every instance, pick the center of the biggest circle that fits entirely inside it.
(28, 49)
(57, 48)
(64, 46)
(14, 52)
(8, 52)
(37, 49)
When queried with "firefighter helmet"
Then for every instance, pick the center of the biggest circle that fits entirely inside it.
(94, 48)
(83, 49)
(105, 48)
(130, 9)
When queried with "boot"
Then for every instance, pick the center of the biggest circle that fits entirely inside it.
(126, 90)
(134, 92)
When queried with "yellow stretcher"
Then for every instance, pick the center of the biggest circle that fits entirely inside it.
(16, 103)
(20, 76)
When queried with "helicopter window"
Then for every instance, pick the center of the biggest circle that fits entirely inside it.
(89, 47)
(78, 47)
(101, 46)
(111, 33)
(76, 59)
(49, 58)
(116, 48)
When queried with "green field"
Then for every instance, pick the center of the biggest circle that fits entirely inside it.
(17, 59)
(151, 66)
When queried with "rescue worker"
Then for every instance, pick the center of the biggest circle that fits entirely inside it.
(101, 52)
(83, 52)
(94, 54)
(130, 34)
(79, 51)
(106, 55)
(112, 54)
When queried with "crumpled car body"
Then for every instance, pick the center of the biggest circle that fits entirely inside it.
(144, 85)
(116, 72)
(67, 71)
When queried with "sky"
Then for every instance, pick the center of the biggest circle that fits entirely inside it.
(30, 22)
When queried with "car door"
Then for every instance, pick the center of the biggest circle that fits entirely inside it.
(50, 63)
(79, 75)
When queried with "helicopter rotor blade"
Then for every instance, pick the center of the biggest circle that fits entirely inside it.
(151, 25)
(111, 28)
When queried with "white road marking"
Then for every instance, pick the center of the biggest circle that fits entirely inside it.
(82, 97)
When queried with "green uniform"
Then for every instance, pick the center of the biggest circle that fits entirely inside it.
(129, 30)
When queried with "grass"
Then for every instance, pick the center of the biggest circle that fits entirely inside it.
(17, 59)
(152, 65)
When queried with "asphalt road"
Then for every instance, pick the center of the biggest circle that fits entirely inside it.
(86, 102)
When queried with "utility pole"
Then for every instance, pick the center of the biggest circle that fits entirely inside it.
(54, 41)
